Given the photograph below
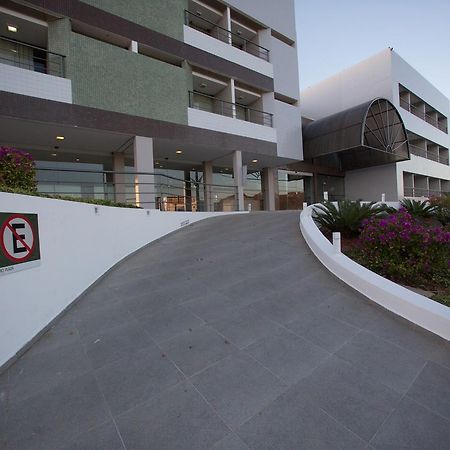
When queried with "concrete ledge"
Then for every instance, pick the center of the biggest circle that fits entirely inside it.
(414, 307)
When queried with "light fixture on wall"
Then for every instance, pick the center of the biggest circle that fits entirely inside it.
(12, 28)
(203, 85)
(254, 161)
(60, 138)
(179, 152)
(53, 154)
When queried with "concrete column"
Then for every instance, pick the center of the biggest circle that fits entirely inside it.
(208, 181)
(144, 184)
(119, 178)
(238, 179)
(187, 190)
(269, 179)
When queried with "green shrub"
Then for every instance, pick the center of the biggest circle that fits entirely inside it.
(17, 169)
(403, 249)
(93, 201)
(347, 216)
(442, 205)
(417, 208)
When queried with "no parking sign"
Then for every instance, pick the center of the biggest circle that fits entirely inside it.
(19, 242)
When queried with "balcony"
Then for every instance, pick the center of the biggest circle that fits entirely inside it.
(30, 57)
(421, 109)
(215, 105)
(222, 34)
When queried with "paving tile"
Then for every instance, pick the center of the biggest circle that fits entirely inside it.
(55, 416)
(351, 308)
(136, 378)
(412, 426)
(432, 389)
(245, 326)
(169, 323)
(213, 306)
(196, 350)
(103, 437)
(230, 442)
(251, 289)
(148, 303)
(411, 337)
(291, 422)
(115, 343)
(96, 320)
(391, 365)
(288, 356)
(34, 372)
(286, 305)
(238, 387)
(352, 397)
(323, 330)
(60, 334)
(177, 419)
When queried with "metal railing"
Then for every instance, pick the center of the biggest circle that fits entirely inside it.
(143, 189)
(30, 57)
(224, 35)
(425, 153)
(423, 192)
(208, 103)
(418, 112)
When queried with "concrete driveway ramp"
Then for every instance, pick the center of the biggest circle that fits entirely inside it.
(228, 335)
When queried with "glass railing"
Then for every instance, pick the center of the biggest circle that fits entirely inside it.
(30, 57)
(144, 189)
(423, 192)
(215, 105)
(211, 29)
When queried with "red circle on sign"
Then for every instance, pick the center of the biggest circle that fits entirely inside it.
(2, 244)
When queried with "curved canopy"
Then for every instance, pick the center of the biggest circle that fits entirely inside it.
(366, 135)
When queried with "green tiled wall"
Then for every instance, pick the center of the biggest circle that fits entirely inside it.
(108, 77)
(164, 16)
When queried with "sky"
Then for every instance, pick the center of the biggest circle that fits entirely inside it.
(335, 34)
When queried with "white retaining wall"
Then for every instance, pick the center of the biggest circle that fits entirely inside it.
(77, 247)
(414, 307)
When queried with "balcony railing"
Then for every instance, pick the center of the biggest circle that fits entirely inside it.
(214, 105)
(30, 57)
(425, 153)
(423, 192)
(224, 35)
(423, 115)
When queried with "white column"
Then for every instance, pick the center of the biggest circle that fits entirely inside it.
(119, 177)
(144, 185)
(208, 180)
(133, 47)
(269, 187)
(238, 179)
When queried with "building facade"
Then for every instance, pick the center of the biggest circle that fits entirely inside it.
(424, 112)
(173, 104)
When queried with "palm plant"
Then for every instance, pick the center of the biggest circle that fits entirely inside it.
(418, 208)
(347, 216)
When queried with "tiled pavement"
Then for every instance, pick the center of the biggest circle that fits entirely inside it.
(228, 335)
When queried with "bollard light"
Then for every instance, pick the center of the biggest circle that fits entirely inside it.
(305, 205)
(337, 242)
(383, 197)
(325, 195)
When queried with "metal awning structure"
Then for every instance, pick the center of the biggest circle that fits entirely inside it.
(369, 134)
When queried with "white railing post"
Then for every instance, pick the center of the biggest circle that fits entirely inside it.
(337, 242)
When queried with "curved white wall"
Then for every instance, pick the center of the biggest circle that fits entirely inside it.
(77, 247)
(414, 307)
